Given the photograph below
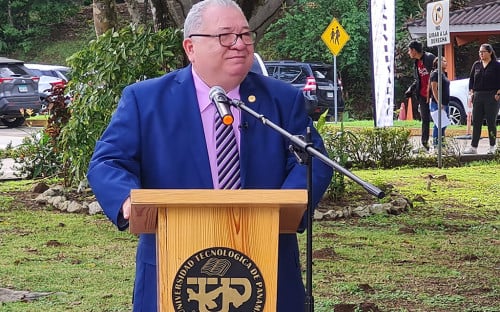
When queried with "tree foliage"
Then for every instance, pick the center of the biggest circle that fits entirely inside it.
(25, 21)
(297, 36)
(101, 71)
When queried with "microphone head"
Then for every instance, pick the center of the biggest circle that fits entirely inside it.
(227, 119)
(214, 91)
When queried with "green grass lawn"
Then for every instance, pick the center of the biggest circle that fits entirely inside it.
(441, 255)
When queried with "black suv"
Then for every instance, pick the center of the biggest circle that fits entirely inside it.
(316, 81)
(18, 92)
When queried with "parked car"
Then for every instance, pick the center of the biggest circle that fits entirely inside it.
(50, 76)
(18, 92)
(312, 78)
(58, 71)
(459, 92)
(323, 73)
(258, 65)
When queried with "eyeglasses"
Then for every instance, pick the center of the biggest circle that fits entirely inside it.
(481, 51)
(229, 39)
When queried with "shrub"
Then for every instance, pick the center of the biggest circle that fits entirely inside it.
(100, 72)
(369, 147)
(37, 157)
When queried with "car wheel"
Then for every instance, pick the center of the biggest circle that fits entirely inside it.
(457, 113)
(13, 122)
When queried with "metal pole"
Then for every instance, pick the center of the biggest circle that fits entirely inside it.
(440, 105)
(335, 86)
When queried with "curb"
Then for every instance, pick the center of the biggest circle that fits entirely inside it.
(36, 123)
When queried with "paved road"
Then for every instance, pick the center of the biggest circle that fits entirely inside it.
(14, 137)
(462, 143)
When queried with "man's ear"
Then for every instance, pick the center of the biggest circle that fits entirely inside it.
(187, 44)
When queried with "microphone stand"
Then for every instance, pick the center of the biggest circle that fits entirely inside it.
(304, 152)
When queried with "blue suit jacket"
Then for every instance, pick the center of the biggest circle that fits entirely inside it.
(155, 140)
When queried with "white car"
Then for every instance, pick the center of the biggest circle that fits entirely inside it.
(258, 65)
(49, 75)
(459, 92)
(57, 71)
(46, 82)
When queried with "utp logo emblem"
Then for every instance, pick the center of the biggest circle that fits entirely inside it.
(218, 279)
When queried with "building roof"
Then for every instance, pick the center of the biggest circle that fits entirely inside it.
(483, 17)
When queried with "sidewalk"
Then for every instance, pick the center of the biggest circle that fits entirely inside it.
(459, 137)
(461, 143)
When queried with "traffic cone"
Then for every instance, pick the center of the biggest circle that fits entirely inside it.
(402, 111)
(409, 110)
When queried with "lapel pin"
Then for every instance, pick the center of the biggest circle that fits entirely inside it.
(251, 98)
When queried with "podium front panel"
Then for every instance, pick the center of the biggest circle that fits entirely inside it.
(253, 233)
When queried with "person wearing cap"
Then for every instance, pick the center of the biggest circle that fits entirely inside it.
(421, 72)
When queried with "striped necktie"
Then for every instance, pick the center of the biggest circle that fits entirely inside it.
(228, 160)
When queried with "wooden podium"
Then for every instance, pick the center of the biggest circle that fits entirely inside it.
(191, 225)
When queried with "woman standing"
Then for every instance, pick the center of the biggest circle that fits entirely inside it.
(434, 96)
(484, 86)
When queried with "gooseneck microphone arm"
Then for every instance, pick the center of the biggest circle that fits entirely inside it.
(304, 152)
(299, 142)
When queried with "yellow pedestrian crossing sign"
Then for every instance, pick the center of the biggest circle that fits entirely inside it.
(335, 37)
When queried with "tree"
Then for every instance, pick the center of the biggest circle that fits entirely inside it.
(24, 22)
(101, 70)
(172, 13)
(134, 11)
(260, 13)
(104, 13)
(296, 36)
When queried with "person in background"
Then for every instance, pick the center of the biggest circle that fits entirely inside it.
(468, 112)
(421, 73)
(162, 136)
(484, 87)
(434, 95)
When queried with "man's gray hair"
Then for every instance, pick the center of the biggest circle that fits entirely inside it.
(194, 19)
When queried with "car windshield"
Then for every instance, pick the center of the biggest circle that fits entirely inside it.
(9, 70)
(323, 72)
(36, 72)
(319, 75)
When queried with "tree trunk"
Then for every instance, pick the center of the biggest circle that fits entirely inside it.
(161, 15)
(178, 10)
(104, 12)
(9, 13)
(260, 13)
(135, 12)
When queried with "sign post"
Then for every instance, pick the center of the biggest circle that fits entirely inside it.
(438, 34)
(335, 37)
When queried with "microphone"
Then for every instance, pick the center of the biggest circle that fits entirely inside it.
(218, 96)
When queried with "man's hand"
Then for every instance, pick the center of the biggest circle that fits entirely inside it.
(126, 208)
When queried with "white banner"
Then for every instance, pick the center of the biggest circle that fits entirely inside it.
(383, 40)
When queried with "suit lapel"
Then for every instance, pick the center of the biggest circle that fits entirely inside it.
(195, 137)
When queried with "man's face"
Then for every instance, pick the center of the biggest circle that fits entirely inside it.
(412, 53)
(214, 63)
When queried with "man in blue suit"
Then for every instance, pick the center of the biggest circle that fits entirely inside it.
(162, 137)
